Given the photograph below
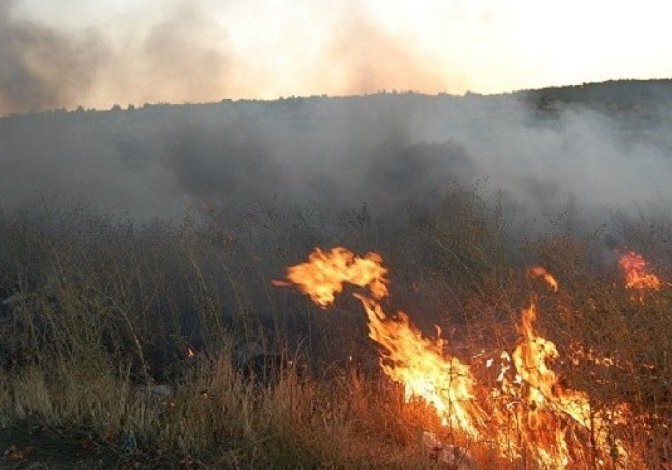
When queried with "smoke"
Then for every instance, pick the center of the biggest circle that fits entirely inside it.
(177, 57)
(186, 55)
(362, 57)
(385, 150)
(196, 51)
(182, 57)
(582, 155)
(41, 68)
(65, 54)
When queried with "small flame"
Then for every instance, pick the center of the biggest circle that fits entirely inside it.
(578, 354)
(190, 352)
(537, 271)
(636, 271)
(323, 275)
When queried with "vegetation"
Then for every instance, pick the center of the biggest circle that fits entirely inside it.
(100, 312)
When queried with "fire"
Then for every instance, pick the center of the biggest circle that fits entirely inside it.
(579, 354)
(547, 402)
(323, 275)
(530, 358)
(419, 364)
(190, 352)
(407, 357)
(538, 271)
(636, 271)
(529, 413)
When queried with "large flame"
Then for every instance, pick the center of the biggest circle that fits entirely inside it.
(636, 272)
(407, 357)
(419, 364)
(530, 413)
(547, 403)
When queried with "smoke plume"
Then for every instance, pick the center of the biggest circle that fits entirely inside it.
(41, 68)
(385, 150)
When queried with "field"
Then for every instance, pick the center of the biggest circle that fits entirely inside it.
(335, 236)
(167, 345)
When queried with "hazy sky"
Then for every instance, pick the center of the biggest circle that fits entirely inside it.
(56, 53)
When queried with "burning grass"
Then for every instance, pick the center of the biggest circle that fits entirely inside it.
(531, 413)
(170, 345)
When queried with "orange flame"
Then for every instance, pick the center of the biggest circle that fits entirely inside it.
(636, 271)
(546, 402)
(538, 271)
(531, 411)
(418, 363)
(190, 352)
(323, 275)
(544, 397)
(408, 357)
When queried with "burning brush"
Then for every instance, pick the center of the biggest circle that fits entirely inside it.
(637, 273)
(528, 414)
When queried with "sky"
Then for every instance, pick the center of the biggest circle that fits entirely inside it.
(56, 54)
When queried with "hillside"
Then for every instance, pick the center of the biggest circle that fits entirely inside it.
(387, 281)
(384, 149)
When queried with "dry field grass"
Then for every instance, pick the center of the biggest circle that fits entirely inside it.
(103, 311)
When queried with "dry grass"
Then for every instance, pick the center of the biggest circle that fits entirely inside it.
(104, 310)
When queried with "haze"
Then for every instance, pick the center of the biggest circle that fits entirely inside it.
(63, 54)
(605, 149)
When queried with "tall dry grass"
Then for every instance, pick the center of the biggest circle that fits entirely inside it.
(103, 310)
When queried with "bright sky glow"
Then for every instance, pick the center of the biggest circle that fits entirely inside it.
(271, 48)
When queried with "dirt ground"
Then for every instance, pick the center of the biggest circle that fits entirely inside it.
(33, 446)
